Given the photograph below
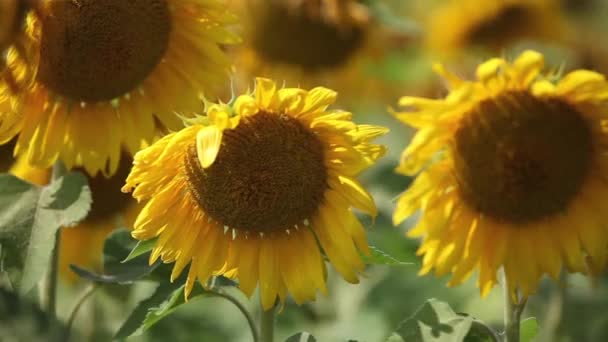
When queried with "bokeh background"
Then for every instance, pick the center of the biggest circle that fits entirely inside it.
(395, 44)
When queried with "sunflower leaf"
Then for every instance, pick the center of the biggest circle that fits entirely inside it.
(116, 248)
(142, 247)
(30, 216)
(163, 302)
(378, 257)
(528, 329)
(134, 323)
(436, 321)
(301, 337)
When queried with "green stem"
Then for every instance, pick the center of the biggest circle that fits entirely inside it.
(86, 295)
(267, 325)
(513, 313)
(49, 299)
(243, 310)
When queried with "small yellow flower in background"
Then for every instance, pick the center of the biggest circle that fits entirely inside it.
(108, 73)
(511, 173)
(255, 187)
(458, 25)
(82, 245)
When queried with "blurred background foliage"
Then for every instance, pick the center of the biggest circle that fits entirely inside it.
(575, 310)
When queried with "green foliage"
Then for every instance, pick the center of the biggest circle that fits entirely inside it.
(436, 321)
(142, 247)
(29, 219)
(167, 298)
(21, 320)
(134, 325)
(301, 337)
(528, 329)
(379, 257)
(117, 247)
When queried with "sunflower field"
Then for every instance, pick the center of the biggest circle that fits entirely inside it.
(304, 170)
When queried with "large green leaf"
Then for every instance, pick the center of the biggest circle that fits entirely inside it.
(436, 321)
(29, 219)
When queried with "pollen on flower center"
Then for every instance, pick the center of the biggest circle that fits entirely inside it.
(269, 175)
(508, 23)
(519, 159)
(301, 39)
(93, 50)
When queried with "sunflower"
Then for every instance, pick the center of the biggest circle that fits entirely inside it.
(306, 41)
(13, 14)
(457, 25)
(109, 73)
(511, 174)
(254, 187)
(82, 244)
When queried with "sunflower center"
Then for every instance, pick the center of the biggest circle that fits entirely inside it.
(509, 23)
(269, 175)
(9, 20)
(94, 50)
(520, 159)
(301, 39)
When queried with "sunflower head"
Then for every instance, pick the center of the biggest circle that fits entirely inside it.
(9, 18)
(307, 35)
(13, 14)
(109, 74)
(251, 188)
(458, 25)
(510, 174)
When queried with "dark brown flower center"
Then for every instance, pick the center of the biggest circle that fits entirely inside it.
(9, 22)
(98, 50)
(108, 199)
(269, 175)
(281, 35)
(520, 159)
(508, 24)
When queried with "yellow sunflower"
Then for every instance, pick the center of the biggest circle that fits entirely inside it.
(457, 25)
(13, 14)
(109, 73)
(82, 244)
(511, 174)
(253, 188)
(306, 41)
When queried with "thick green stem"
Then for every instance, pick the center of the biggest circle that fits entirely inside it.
(49, 299)
(513, 313)
(267, 325)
